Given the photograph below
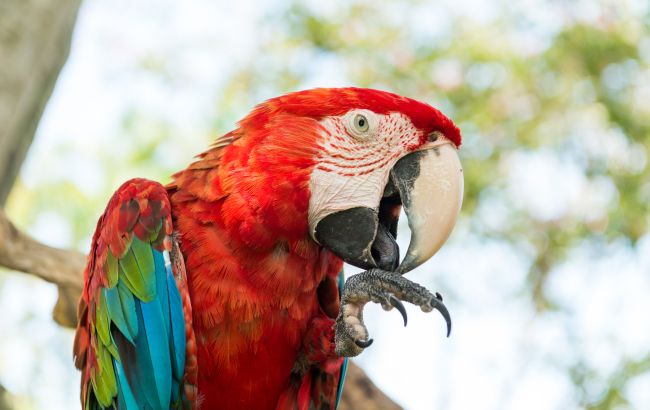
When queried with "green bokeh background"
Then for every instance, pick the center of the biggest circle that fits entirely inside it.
(553, 100)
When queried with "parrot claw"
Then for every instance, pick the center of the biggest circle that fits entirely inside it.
(399, 306)
(437, 304)
(384, 287)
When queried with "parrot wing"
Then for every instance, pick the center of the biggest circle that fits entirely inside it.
(134, 315)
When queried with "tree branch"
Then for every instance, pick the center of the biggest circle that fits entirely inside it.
(20, 252)
(360, 393)
(64, 268)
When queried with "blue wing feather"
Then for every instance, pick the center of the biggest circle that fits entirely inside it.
(125, 398)
(115, 312)
(130, 340)
(344, 367)
(136, 360)
(158, 340)
(177, 324)
(153, 362)
(128, 310)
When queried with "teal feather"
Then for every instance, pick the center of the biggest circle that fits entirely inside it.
(115, 312)
(344, 369)
(152, 363)
(138, 366)
(125, 398)
(176, 395)
(344, 366)
(158, 342)
(137, 316)
(161, 287)
(177, 322)
(128, 309)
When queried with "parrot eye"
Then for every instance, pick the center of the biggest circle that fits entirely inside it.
(361, 123)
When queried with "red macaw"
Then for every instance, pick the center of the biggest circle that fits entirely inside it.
(222, 289)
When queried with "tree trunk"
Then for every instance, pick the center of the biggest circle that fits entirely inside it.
(34, 44)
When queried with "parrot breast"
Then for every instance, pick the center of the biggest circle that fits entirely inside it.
(253, 275)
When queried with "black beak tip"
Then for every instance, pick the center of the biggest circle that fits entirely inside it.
(363, 343)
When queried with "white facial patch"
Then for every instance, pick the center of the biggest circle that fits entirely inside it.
(353, 169)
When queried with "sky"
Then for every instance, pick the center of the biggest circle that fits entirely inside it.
(501, 355)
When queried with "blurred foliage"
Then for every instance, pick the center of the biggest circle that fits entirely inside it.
(575, 92)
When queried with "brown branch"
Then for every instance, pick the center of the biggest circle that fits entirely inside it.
(360, 393)
(20, 252)
(64, 268)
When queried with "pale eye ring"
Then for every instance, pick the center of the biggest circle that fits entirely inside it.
(360, 123)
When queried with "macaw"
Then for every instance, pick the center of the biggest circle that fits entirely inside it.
(223, 289)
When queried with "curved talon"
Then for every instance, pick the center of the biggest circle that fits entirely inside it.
(389, 289)
(363, 343)
(399, 306)
(443, 311)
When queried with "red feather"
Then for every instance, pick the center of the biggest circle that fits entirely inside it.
(264, 295)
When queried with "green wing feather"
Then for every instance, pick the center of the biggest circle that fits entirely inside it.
(130, 342)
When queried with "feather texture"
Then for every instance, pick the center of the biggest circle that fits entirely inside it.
(131, 338)
(251, 324)
(253, 271)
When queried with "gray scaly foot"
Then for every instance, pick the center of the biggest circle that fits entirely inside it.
(386, 288)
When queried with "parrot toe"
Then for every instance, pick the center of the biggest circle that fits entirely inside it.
(386, 288)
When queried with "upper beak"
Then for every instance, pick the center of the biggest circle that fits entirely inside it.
(428, 183)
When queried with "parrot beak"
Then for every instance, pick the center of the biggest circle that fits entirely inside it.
(428, 183)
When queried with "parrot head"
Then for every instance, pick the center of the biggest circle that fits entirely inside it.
(359, 156)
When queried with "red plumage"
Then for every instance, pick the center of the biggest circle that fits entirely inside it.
(241, 212)
(264, 295)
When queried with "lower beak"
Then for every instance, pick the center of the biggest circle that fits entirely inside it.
(429, 185)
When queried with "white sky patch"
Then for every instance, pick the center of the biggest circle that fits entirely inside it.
(605, 294)
(638, 392)
(324, 70)
(35, 356)
(52, 229)
(543, 185)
